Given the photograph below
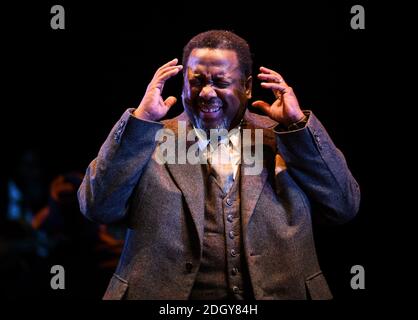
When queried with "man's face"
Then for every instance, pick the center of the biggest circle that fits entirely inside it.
(215, 91)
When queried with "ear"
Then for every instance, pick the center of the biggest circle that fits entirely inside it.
(248, 87)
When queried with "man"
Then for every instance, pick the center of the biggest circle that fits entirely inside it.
(217, 230)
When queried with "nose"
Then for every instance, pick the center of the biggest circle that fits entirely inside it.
(207, 92)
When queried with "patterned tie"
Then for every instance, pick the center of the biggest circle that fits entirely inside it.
(220, 164)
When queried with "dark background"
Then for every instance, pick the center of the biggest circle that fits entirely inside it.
(64, 89)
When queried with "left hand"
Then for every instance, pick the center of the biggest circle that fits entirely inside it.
(286, 108)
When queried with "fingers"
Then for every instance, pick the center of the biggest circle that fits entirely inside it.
(274, 81)
(165, 72)
(171, 65)
(169, 72)
(271, 72)
(160, 79)
(168, 64)
(264, 106)
(275, 86)
(170, 101)
(271, 78)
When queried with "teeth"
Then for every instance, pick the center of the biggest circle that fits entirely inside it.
(211, 110)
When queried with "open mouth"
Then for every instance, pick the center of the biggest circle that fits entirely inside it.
(210, 109)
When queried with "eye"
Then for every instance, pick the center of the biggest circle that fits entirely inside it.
(222, 84)
(195, 82)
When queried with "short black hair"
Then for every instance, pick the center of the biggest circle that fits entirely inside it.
(221, 39)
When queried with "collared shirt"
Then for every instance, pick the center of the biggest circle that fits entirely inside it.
(226, 151)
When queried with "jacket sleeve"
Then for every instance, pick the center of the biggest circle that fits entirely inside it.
(111, 178)
(321, 171)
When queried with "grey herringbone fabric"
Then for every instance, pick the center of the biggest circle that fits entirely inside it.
(163, 206)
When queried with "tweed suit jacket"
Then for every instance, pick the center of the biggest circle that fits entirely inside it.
(304, 178)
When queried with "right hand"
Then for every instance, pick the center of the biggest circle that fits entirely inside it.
(152, 106)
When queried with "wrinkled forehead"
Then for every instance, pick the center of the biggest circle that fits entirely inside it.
(213, 61)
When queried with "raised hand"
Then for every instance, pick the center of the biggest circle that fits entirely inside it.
(152, 106)
(286, 108)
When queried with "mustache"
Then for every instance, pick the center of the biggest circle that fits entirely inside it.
(211, 103)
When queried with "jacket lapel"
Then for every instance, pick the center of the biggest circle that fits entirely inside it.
(189, 179)
(251, 185)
